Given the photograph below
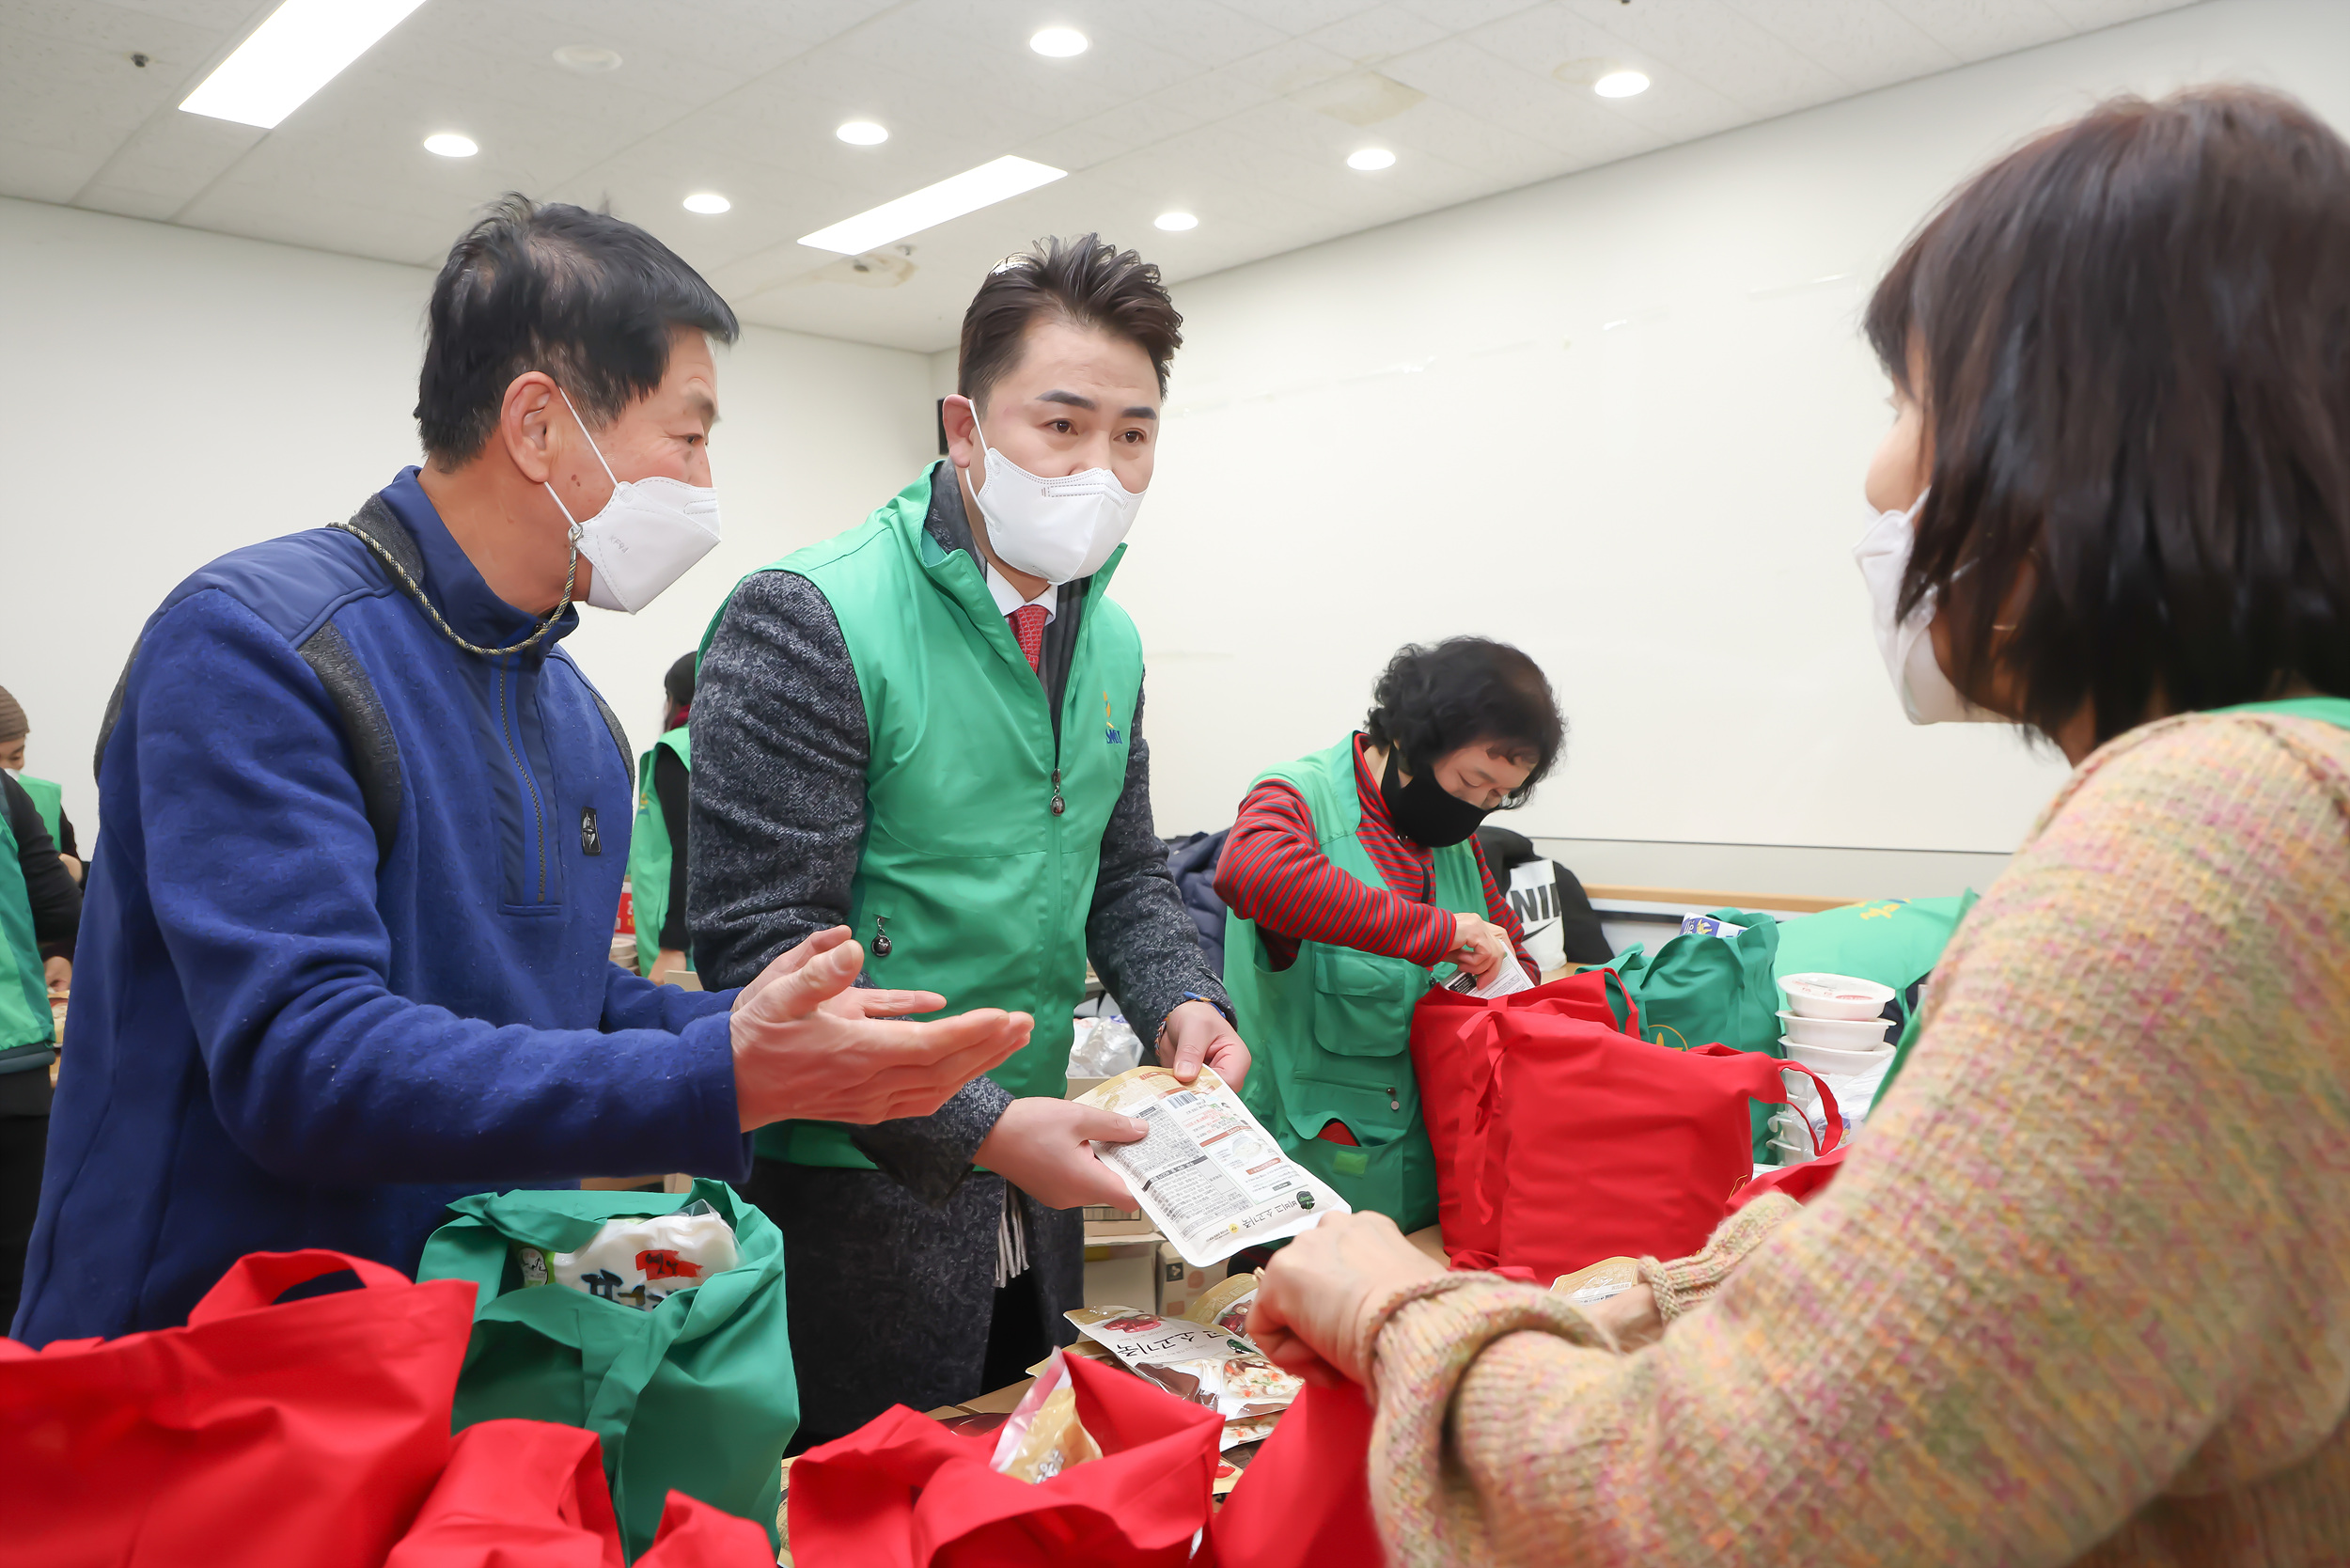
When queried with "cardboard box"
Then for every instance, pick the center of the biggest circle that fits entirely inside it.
(1122, 1271)
(1179, 1284)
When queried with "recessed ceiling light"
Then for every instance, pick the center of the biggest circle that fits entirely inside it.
(1370, 158)
(1058, 43)
(1175, 223)
(952, 198)
(304, 45)
(707, 201)
(1621, 83)
(863, 133)
(589, 58)
(448, 143)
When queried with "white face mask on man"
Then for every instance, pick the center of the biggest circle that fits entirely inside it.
(1927, 695)
(1056, 529)
(645, 537)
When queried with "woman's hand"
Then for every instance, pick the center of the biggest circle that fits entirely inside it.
(1316, 1292)
(1480, 947)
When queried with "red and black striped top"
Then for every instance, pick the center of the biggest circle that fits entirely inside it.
(1273, 872)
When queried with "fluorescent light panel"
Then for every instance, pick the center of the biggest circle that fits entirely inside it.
(932, 205)
(303, 46)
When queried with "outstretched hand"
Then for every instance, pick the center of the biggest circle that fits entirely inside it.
(809, 1044)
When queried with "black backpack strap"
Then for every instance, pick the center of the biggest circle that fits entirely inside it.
(612, 722)
(114, 713)
(366, 726)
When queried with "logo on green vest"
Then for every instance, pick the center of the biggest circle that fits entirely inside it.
(1109, 721)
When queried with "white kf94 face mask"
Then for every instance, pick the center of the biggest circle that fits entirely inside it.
(645, 537)
(1056, 529)
(1927, 695)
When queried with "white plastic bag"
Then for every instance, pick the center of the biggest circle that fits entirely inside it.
(1103, 1048)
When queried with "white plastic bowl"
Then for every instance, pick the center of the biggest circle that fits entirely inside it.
(1835, 1064)
(1836, 1034)
(1834, 997)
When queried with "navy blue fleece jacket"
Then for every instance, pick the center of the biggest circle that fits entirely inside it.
(281, 1040)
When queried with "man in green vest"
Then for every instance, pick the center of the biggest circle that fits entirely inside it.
(47, 798)
(929, 728)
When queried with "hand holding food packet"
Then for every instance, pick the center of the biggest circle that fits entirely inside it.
(1207, 1172)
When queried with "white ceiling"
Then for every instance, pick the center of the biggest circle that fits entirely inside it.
(1241, 111)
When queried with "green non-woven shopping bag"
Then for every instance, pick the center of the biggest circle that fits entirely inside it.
(1890, 941)
(1700, 990)
(697, 1394)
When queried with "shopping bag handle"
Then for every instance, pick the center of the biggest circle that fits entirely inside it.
(1827, 1096)
(259, 1279)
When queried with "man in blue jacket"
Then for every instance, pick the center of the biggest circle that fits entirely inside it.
(345, 954)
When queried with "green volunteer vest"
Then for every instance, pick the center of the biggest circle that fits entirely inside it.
(650, 852)
(26, 1026)
(982, 840)
(50, 802)
(1331, 1034)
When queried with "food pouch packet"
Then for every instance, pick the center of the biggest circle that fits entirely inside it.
(1195, 1361)
(1225, 1305)
(1207, 1172)
(639, 1259)
(1042, 1436)
(1596, 1282)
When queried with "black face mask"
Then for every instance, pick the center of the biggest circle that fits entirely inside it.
(1425, 811)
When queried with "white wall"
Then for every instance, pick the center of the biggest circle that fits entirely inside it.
(170, 395)
(1621, 419)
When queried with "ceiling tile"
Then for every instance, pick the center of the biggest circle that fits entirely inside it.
(1979, 29)
(1700, 42)
(1865, 42)
(1300, 16)
(1374, 35)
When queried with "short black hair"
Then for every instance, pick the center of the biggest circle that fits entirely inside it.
(679, 682)
(2131, 343)
(583, 296)
(1433, 700)
(1085, 282)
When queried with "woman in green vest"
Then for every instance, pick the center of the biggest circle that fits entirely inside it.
(47, 798)
(656, 849)
(1354, 882)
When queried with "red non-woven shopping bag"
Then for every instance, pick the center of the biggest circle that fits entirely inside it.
(1305, 1501)
(1455, 1049)
(1600, 1145)
(1802, 1182)
(304, 1434)
(533, 1492)
(517, 1492)
(695, 1535)
(903, 1492)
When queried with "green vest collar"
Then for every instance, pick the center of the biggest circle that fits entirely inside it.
(957, 574)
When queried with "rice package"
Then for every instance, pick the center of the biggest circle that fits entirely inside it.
(1208, 1174)
(640, 1261)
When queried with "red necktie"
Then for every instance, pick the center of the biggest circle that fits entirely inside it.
(1028, 626)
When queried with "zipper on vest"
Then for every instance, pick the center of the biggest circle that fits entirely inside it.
(1058, 805)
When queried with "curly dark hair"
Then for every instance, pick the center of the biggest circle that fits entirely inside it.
(1431, 700)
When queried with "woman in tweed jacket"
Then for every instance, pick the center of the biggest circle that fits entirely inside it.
(2081, 1294)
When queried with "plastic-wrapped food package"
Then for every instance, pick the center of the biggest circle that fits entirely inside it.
(1104, 1047)
(1208, 1174)
(640, 1261)
(1042, 1436)
(1195, 1361)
